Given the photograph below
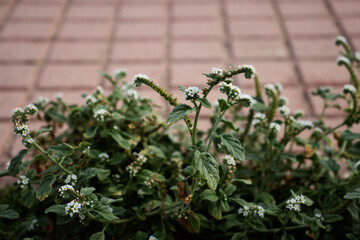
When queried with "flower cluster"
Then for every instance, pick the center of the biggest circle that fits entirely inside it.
(284, 111)
(152, 238)
(137, 79)
(283, 100)
(120, 73)
(270, 89)
(72, 207)
(91, 100)
(349, 88)
(217, 71)
(64, 189)
(71, 179)
(258, 119)
(103, 156)
(343, 60)
(231, 164)
(340, 40)
(250, 70)
(149, 182)
(252, 209)
(135, 166)
(101, 114)
(295, 202)
(191, 93)
(23, 181)
(275, 126)
(302, 124)
(234, 94)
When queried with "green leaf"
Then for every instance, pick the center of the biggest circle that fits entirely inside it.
(223, 105)
(157, 152)
(233, 146)
(98, 236)
(257, 225)
(106, 75)
(8, 213)
(4, 206)
(58, 209)
(62, 149)
(92, 172)
(105, 212)
(330, 218)
(286, 236)
(45, 187)
(353, 195)
(181, 88)
(230, 125)
(43, 130)
(350, 136)
(87, 191)
(120, 140)
(53, 113)
(179, 112)
(245, 181)
(239, 236)
(230, 189)
(215, 210)
(194, 221)
(209, 195)
(90, 132)
(205, 102)
(15, 163)
(27, 195)
(208, 168)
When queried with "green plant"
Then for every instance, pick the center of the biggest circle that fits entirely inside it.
(118, 170)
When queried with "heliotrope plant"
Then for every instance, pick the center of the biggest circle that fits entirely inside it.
(117, 170)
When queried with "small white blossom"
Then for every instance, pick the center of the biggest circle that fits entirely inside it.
(137, 79)
(284, 100)
(100, 89)
(58, 96)
(65, 188)
(103, 155)
(17, 110)
(295, 203)
(343, 60)
(71, 179)
(270, 87)
(326, 89)
(28, 141)
(341, 39)
(152, 238)
(217, 71)
(233, 92)
(31, 108)
(90, 99)
(246, 99)
(318, 215)
(305, 124)
(22, 130)
(349, 88)
(101, 114)
(132, 93)
(284, 111)
(249, 68)
(72, 207)
(260, 116)
(229, 160)
(253, 210)
(299, 113)
(120, 72)
(276, 126)
(357, 56)
(279, 87)
(23, 181)
(255, 122)
(191, 92)
(134, 167)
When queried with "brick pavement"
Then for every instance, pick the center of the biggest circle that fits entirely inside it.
(50, 46)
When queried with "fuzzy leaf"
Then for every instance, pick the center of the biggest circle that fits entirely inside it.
(87, 191)
(179, 112)
(15, 163)
(223, 105)
(105, 212)
(45, 187)
(194, 221)
(330, 218)
(215, 210)
(233, 146)
(230, 189)
(208, 168)
(209, 195)
(62, 149)
(205, 102)
(59, 209)
(43, 130)
(98, 236)
(353, 195)
(8, 213)
(120, 140)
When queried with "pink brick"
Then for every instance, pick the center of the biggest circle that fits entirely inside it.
(356, 41)
(69, 76)
(198, 10)
(271, 72)
(304, 9)
(346, 8)
(20, 51)
(28, 11)
(15, 75)
(315, 48)
(191, 74)
(196, 29)
(90, 12)
(274, 48)
(5, 129)
(10, 100)
(84, 30)
(352, 25)
(208, 50)
(23, 29)
(254, 28)
(77, 51)
(243, 10)
(322, 73)
(312, 27)
(140, 29)
(142, 11)
(138, 51)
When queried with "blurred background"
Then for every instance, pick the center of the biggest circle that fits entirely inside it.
(52, 46)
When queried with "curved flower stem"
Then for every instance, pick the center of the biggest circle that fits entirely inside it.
(333, 129)
(258, 87)
(214, 129)
(46, 154)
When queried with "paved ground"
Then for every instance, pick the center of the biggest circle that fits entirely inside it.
(50, 46)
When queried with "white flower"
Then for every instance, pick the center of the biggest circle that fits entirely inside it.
(137, 79)
(252, 209)
(120, 72)
(255, 122)
(246, 99)
(357, 56)
(23, 181)
(72, 207)
(101, 114)
(260, 211)
(233, 92)
(152, 238)
(31, 108)
(90, 99)
(71, 179)
(343, 60)
(349, 88)
(104, 155)
(65, 188)
(191, 92)
(17, 110)
(132, 93)
(284, 100)
(279, 87)
(100, 89)
(318, 215)
(305, 124)
(270, 87)
(284, 110)
(229, 160)
(299, 113)
(341, 39)
(326, 89)
(22, 130)
(260, 116)
(58, 96)
(276, 126)
(41, 100)
(217, 71)
(295, 202)
(250, 68)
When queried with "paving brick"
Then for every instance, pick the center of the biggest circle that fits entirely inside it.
(198, 10)
(42, 2)
(196, 29)
(273, 48)
(271, 72)
(77, 51)
(304, 9)
(142, 11)
(311, 27)
(28, 11)
(21, 51)
(346, 8)
(140, 29)
(356, 41)
(315, 48)
(26, 29)
(254, 28)
(208, 50)
(138, 51)
(5, 128)
(191, 74)
(320, 73)
(77, 11)
(10, 100)
(84, 30)
(15, 75)
(352, 25)
(260, 10)
(69, 76)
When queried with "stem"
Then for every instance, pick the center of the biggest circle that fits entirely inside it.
(354, 78)
(258, 87)
(214, 129)
(274, 105)
(193, 135)
(46, 154)
(248, 126)
(333, 129)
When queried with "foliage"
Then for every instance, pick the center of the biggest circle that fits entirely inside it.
(114, 169)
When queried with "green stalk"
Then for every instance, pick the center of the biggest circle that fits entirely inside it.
(217, 121)
(274, 105)
(258, 87)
